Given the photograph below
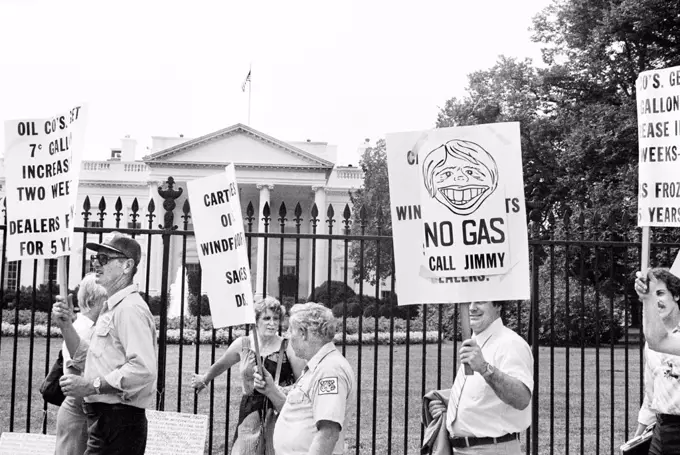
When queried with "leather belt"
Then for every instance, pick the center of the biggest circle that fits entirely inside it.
(472, 441)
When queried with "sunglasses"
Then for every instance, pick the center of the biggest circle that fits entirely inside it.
(104, 258)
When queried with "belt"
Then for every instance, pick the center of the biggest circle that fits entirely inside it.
(668, 418)
(97, 407)
(471, 441)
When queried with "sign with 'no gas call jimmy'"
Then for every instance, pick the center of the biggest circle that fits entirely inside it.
(221, 244)
(458, 215)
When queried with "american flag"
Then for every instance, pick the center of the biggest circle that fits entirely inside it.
(243, 87)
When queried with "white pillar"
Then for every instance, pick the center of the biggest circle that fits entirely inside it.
(321, 269)
(259, 274)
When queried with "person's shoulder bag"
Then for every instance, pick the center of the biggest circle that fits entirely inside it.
(50, 388)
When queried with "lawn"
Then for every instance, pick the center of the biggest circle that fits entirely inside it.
(381, 425)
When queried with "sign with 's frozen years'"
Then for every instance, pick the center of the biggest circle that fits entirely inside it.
(221, 245)
(458, 214)
(42, 159)
(658, 109)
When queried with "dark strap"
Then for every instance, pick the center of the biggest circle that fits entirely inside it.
(472, 441)
(284, 343)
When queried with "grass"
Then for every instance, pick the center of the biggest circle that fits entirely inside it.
(594, 415)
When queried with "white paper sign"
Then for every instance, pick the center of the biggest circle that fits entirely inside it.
(176, 433)
(458, 216)
(221, 244)
(658, 108)
(27, 444)
(42, 159)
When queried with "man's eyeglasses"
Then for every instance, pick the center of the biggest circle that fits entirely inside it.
(104, 258)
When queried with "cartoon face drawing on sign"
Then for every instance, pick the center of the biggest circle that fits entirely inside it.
(460, 175)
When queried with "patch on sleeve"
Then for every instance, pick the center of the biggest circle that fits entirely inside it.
(328, 386)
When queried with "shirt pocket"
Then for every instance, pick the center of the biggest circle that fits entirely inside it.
(100, 340)
(297, 396)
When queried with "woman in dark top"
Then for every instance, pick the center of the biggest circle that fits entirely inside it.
(254, 406)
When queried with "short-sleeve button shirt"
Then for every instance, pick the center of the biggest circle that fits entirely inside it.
(322, 392)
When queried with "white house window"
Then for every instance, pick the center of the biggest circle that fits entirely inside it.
(11, 272)
(50, 273)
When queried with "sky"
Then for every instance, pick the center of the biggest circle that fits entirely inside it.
(328, 71)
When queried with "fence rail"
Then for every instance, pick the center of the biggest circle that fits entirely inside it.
(581, 323)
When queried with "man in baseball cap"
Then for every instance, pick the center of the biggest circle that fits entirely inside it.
(119, 360)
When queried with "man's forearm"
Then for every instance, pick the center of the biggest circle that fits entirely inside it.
(325, 439)
(510, 390)
(71, 338)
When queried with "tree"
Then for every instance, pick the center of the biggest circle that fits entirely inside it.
(371, 212)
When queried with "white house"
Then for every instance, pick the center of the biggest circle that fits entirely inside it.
(267, 169)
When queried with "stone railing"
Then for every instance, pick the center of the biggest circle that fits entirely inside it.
(114, 166)
(350, 173)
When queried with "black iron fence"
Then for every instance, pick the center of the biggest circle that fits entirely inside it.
(582, 323)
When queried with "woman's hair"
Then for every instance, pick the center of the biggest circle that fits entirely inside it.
(90, 292)
(314, 317)
(672, 282)
(271, 304)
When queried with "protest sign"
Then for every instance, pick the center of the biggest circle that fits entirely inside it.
(221, 245)
(658, 109)
(458, 214)
(176, 433)
(42, 159)
(27, 444)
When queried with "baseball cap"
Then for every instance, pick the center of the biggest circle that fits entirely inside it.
(119, 243)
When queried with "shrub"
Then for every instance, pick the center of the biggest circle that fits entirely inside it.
(202, 308)
(353, 310)
(371, 310)
(564, 331)
(338, 292)
(288, 284)
(43, 298)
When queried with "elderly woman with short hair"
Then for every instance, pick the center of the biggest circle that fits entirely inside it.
(71, 420)
(253, 409)
(314, 415)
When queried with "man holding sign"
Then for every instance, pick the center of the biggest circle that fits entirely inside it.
(119, 360)
(489, 409)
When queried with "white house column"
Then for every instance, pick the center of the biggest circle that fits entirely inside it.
(321, 272)
(259, 274)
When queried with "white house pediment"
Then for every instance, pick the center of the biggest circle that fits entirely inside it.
(239, 144)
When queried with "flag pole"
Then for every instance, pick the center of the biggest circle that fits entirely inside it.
(250, 87)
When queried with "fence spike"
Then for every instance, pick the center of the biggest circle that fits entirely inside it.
(282, 214)
(118, 213)
(186, 209)
(347, 215)
(266, 211)
(581, 219)
(150, 209)
(315, 211)
(250, 211)
(330, 213)
(102, 210)
(86, 209)
(135, 206)
(362, 216)
(298, 215)
(611, 220)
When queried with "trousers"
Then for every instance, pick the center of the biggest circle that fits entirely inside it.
(115, 429)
